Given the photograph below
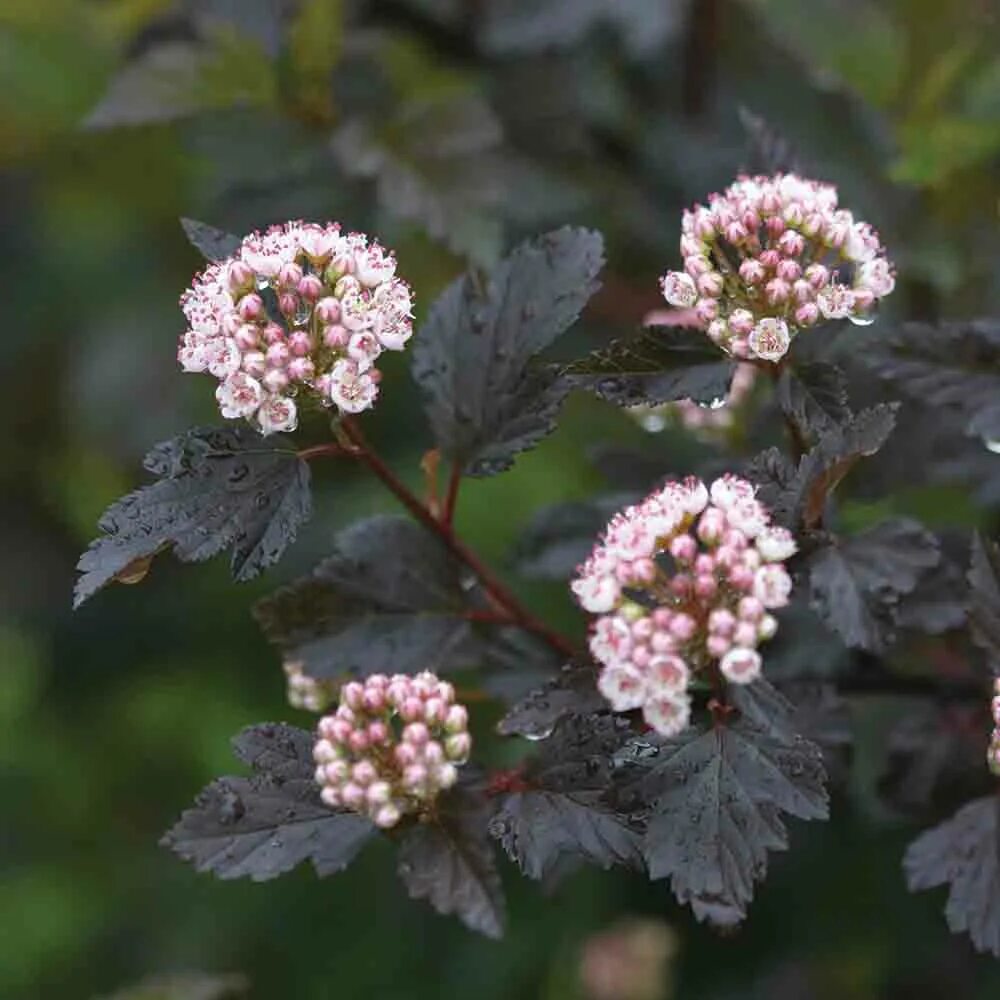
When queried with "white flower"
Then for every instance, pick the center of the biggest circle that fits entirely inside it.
(876, 276)
(835, 301)
(222, 357)
(277, 413)
(239, 395)
(668, 714)
(666, 675)
(597, 593)
(772, 585)
(769, 339)
(373, 266)
(622, 686)
(728, 490)
(364, 348)
(679, 289)
(351, 390)
(748, 516)
(740, 666)
(776, 544)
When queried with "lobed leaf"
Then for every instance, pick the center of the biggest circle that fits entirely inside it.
(573, 691)
(263, 826)
(659, 365)
(449, 861)
(219, 488)
(813, 396)
(856, 583)
(954, 366)
(390, 598)
(565, 807)
(716, 798)
(964, 854)
(473, 356)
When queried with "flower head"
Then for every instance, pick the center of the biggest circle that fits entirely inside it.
(393, 744)
(680, 582)
(771, 256)
(300, 310)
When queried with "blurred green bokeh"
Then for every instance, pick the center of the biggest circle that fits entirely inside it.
(111, 718)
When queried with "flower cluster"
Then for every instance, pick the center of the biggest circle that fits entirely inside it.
(300, 308)
(391, 746)
(681, 581)
(307, 692)
(993, 753)
(705, 421)
(771, 256)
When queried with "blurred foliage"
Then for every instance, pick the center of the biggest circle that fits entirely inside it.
(452, 129)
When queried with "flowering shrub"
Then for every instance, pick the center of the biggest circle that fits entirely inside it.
(774, 255)
(657, 744)
(301, 310)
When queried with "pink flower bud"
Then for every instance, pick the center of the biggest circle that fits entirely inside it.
(352, 795)
(278, 355)
(711, 526)
(705, 586)
(324, 752)
(336, 337)
(683, 548)
(745, 635)
(457, 719)
(683, 627)
(817, 275)
(710, 284)
(741, 321)
(310, 287)
(412, 709)
(681, 584)
(358, 741)
(246, 337)
(662, 617)
(378, 732)
(289, 275)
(706, 310)
(250, 307)
(752, 271)
(791, 243)
(328, 310)
(364, 772)
(300, 369)
(807, 314)
(405, 754)
(445, 776)
(717, 645)
(275, 381)
(740, 666)
(299, 343)
(789, 271)
(777, 291)
(721, 621)
(288, 303)
(642, 629)
(458, 746)
(433, 753)
(434, 710)
(414, 776)
(769, 259)
(240, 276)
(331, 796)
(741, 577)
(416, 733)
(643, 570)
(696, 265)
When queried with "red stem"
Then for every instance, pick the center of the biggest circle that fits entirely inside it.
(497, 590)
(448, 514)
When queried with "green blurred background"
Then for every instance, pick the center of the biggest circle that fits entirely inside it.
(452, 129)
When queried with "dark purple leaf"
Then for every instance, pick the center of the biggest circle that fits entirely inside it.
(449, 860)
(964, 854)
(473, 356)
(390, 598)
(984, 598)
(572, 692)
(566, 806)
(263, 826)
(213, 244)
(658, 365)
(219, 488)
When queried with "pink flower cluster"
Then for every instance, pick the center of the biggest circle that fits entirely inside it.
(705, 421)
(392, 745)
(307, 692)
(773, 255)
(683, 580)
(300, 308)
(993, 753)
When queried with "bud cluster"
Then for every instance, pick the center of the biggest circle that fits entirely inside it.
(993, 753)
(705, 421)
(681, 581)
(298, 309)
(773, 255)
(307, 692)
(391, 746)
